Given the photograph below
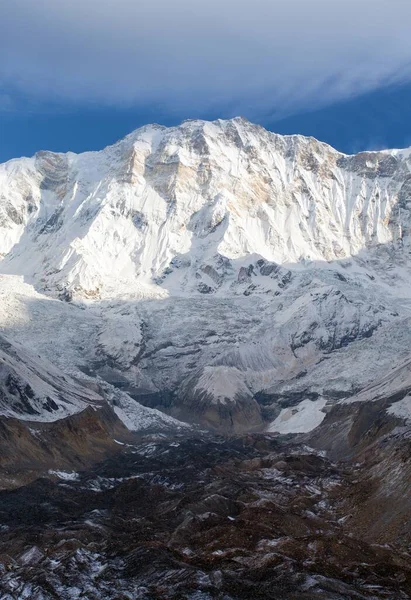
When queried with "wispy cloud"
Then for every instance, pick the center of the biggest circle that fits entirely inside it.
(6, 102)
(249, 57)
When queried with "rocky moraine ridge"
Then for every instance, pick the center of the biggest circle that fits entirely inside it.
(205, 335)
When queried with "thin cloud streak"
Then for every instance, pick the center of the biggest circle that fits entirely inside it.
(235, 57)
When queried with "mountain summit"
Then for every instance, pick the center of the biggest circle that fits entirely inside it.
(178, 210)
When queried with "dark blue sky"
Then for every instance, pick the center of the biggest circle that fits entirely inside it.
(79, 75)
(379, 119)
(373, 121)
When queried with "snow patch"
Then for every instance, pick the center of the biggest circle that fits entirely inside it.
(65, 475)
(304, 417)
(222, 383)
(401, 409)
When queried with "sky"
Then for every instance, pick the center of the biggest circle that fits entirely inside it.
(79, 75)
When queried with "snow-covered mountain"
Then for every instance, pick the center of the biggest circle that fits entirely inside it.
(197, 199)
(215, 271)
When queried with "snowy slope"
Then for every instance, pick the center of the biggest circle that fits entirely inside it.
(185, 206)
(219, 272)
(33, 388)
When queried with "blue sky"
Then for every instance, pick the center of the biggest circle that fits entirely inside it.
(81, 74)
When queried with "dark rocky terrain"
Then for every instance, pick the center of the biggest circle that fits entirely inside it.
(201, 517)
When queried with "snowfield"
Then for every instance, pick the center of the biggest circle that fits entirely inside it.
(306, 416)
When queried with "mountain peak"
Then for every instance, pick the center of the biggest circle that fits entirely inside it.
(179, 210)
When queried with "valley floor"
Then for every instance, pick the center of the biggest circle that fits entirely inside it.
(198, 518)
